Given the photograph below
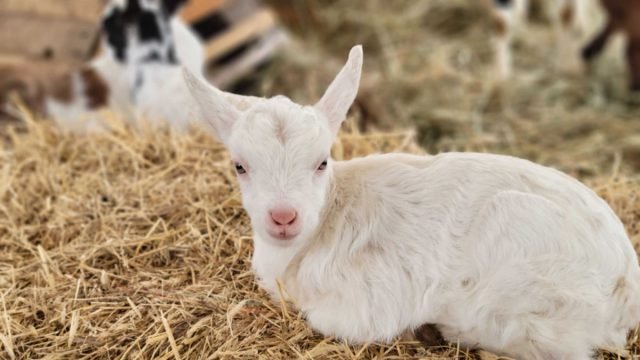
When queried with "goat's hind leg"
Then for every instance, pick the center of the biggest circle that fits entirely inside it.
(505, 19)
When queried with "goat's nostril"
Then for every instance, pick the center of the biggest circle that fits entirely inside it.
(284, 216)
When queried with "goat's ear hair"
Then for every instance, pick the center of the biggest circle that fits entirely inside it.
(215, 110)
(339, 96)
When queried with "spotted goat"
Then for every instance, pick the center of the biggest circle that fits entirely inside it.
(143, 45)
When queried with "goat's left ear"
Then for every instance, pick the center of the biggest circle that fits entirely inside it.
(339, 96)
(216, 111)
(171, 7)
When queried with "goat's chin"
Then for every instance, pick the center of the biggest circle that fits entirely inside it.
(276, 241)
(283, 243)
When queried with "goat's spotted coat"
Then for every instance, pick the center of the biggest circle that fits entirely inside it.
(138, 73)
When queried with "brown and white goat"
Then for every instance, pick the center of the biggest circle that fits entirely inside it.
(40, 84)
(623, 16)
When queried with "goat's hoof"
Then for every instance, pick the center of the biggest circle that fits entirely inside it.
(429, 335)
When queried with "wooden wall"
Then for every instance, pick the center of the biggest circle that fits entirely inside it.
(60, 30)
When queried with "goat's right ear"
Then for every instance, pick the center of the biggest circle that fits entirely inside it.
(216, 111)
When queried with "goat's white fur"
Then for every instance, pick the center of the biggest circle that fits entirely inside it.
(499, 252)
(163, 97)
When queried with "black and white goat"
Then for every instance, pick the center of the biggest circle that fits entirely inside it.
(143, 47)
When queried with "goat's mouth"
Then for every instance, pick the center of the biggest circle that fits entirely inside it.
(283, 234)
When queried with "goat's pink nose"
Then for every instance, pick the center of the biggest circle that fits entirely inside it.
(284, 215)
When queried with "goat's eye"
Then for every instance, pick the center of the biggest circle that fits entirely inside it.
(239, 169)
(323, 165)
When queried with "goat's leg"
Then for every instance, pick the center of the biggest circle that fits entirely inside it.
(633, 62)
(504, 19)
(429, 335)
(521, 9)
(595, 47)
(566, 31)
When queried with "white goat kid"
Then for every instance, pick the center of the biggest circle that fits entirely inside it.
(498, 252)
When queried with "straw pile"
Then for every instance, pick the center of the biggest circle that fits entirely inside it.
(135, 244)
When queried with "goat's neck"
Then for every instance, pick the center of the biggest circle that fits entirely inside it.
(270, 262)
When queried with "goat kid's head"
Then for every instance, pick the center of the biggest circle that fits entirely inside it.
(281, 151)
(137, 31)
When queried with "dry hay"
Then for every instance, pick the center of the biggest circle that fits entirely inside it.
(135, 245)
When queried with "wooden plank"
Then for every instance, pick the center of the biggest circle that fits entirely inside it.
(40, 68)
(241, 32)
(50, 38)
(236, 11)
(11, 59)
(84, 10)
(264, 49)
(197, 9)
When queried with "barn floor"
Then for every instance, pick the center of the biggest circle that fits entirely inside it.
(135, 245)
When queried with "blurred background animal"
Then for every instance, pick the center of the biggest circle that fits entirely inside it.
(138, 48)
(150, 43)
(622, 16)
(141, 46)
(568, 18)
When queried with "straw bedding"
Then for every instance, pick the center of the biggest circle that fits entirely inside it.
(134, 244)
